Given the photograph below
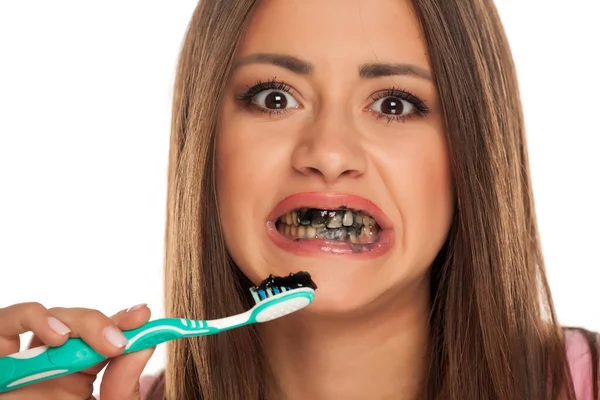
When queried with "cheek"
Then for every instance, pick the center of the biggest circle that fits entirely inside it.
(236, 170)
(423, 194)
(235, 178)
(249, 165)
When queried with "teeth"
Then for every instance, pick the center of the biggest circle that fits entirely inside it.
(301, 232)
(365, 235)
(321, 232)
(318, 218)
(348, 220)
(335, 234)
(369, 231)
(358, 219)
(334, 221)
(344, 225)
(304, 217)
(366, 221)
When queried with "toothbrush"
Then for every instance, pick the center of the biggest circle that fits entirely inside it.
(275, 297)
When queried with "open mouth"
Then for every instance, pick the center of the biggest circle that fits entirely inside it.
(314, 223)
(342, 224)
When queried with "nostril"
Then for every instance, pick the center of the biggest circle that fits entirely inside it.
(313, 170)
(351, 173)
(310, 171)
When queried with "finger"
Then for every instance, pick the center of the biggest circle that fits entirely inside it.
(133, 317)
(25, 317)
(94, 328)
(125, 319)
(121, 380)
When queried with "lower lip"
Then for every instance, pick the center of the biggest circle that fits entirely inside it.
(321, 247)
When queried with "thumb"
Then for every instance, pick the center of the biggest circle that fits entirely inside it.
(121, 380)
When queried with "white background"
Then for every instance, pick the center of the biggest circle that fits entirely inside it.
(85, 96)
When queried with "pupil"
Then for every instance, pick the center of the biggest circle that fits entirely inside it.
(391, 106)
(275, 100)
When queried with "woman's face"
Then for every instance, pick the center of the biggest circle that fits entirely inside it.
(332, 156)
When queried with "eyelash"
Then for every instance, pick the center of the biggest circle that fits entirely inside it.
(420, 108)
(259, 87)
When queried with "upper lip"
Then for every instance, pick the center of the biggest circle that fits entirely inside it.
(330, 201)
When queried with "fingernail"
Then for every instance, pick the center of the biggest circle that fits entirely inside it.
(58, 326)
(115, 337)
(136, 307)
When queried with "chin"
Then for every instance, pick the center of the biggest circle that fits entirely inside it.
(344, 288)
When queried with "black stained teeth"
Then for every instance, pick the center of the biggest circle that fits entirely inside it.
(318, 217)
(334, 220)
(343, 224)
(358, 227)
(335, 234)
(303, 217)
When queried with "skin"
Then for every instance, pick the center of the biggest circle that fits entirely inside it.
(121, 377)
(365, 334)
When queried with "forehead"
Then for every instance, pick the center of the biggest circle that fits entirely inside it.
(343, 31)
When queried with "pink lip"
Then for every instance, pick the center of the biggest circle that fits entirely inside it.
(320, 246)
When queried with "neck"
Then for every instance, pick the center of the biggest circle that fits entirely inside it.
(378, 354)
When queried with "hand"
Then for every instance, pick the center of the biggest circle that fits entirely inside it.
(52, 327)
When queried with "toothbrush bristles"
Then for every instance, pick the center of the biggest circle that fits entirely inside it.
(274, 285)
(254, 295)
(259, 295)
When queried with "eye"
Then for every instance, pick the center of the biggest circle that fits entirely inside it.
(392, 106)
(275, 100)
(397, 105)
(272, 97)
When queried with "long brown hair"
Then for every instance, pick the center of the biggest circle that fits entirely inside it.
(494, 333)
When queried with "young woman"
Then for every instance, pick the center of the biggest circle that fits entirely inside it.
(403, 117)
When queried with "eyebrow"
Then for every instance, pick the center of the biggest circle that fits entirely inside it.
(379, 70)
(292, 63)
(365, 71)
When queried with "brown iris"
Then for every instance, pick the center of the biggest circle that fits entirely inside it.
(392, 105)
(275, 100)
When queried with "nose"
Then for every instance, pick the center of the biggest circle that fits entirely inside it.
(330, 149)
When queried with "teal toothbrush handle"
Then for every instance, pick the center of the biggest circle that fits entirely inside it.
(42, 363)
